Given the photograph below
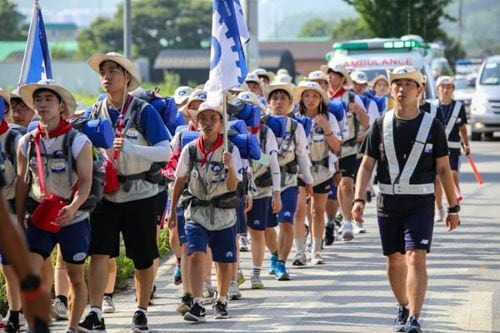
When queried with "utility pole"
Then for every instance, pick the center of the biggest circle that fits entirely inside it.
(127, 29)
(251, 11)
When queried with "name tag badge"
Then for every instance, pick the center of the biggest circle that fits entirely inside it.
(58, 167)
(132, 134)
(318, 137)
(428, 148)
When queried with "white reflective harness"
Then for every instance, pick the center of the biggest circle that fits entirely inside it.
(433, 108)
(451, 123)
(400, 180)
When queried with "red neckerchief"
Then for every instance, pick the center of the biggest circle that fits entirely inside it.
(63, 128)
(200, 143)
(335, 94)
(4, 126)
(256, 129)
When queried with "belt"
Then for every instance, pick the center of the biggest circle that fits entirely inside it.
(414, 189)
(454, 144)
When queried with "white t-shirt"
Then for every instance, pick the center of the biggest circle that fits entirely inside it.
(77, 146)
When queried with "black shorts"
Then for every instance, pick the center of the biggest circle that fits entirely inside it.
(347, 166)
(161, 207)
(136, 220)
(321, 188)
(454, 159)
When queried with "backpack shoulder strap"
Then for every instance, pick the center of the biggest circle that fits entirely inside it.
(10, 146)
(263, 136)
(68, 140)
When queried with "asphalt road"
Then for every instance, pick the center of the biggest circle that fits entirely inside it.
(350, 293)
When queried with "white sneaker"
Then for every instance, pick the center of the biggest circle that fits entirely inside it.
(347, 234)
(108, 305)
(234, 291)
(243, 243)
(359, 228)
(256, 282)
(440, 215)
(59, 310)
(299, 259)
(317, 259)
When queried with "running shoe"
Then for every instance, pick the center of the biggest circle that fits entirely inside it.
(59, 310)
(108, 305)
(299, 259)
(196, 314)
(243, 243)
(139, 323)
(347, 234)
(92, 324)
(317, 259)
(240, 277)
(401, 319)
(413, 325)
(256, 282)
(208, 295)
(220, 310)
(12, 325)
(359, 228)
(281, 272)
(185, 305)
(272, 264)
(177, 276)
(234, 291)
(70, 330)
(329, 233)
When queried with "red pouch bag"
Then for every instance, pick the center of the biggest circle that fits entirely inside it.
(111, 183)
(47, 211)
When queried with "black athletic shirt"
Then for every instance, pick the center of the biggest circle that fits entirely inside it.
(446, 111)
(405, 132)
(426, 107)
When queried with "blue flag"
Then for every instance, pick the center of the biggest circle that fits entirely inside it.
(227, 59)
(36, 62)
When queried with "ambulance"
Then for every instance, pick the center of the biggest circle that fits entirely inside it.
(375, 56)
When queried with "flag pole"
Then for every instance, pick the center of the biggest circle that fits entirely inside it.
(226, 123)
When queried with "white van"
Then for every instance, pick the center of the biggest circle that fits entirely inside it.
(375, 56)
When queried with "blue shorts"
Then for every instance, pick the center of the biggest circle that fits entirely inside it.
(454, 160)
(74, 241)
(332, 195)
(181, 223)
(241, 219)
(221, 242)
(403, 233)
(258, 216)
(288, 207)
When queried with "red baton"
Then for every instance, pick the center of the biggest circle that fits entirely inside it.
(479, 179)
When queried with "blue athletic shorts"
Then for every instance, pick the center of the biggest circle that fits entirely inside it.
(74, 241)
(332, 195)
(403, 233)
(241, 219)
(181, 226)
(221, 242)
(258, 216)
(288, 207)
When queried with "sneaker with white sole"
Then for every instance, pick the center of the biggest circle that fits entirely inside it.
(220, 310)
(359, 228)
(299, 259)
(92, 324)
(208, 295)
(317, 259)
(347, 234)
(234, 291)
(139, 323)
(243, 243)
(108, 305)
(185, 304)
(196, 314)
(59, 310)
(256, 282)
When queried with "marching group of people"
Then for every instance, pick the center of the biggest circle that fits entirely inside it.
(320, 141)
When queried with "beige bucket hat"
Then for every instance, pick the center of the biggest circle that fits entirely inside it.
(97, 59)
(26, 92)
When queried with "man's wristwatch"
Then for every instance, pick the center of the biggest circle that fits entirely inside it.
(363, 201)
(454, 209)
(30, 283)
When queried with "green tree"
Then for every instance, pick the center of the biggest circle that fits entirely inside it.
(11, 27)
(156, 24)
(390, 18)
(315, 27)
(350, 28)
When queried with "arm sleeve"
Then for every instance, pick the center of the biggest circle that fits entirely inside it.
(237, 163)
(272, 150)
(373, 112)
(160, 152)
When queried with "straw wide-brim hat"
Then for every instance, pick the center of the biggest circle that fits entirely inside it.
(405, 72)
(309, 85)
(379, 78)
(252, 77)
(359, 77)
(317, 76)
(6, 95)
(445, 80)
(97, 59)
(251, 98)
(262, 72)
(206, 107)
(337, 68)
(196, 95)
(267, 90)
(26, 92)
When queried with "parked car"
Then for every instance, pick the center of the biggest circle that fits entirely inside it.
(485, 104)
(464, 90)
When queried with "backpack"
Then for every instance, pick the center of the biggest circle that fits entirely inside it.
(98, 171)
(15, 132)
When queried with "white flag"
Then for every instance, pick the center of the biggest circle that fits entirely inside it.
(227, 60)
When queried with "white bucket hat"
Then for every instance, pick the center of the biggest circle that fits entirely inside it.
(196, 95)
(252, 77)
(205, 107)
(26, 92)
(445, 80)
(282, 78)
(309, 85)
(262, 72)
(182, 94)
(317, 76)
(97, 59)
(379, 78)
(359, 77)
(251, 98)
(337, 68)
(405, 72)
